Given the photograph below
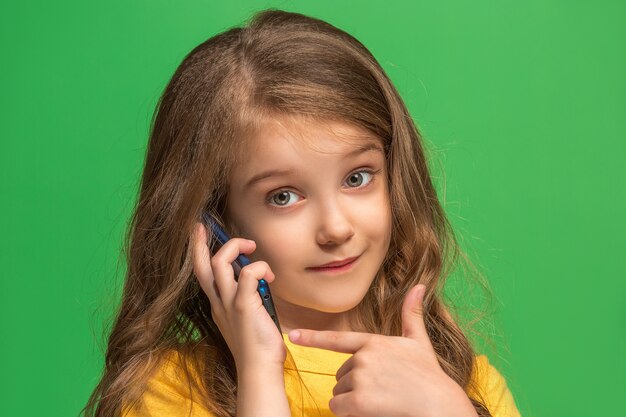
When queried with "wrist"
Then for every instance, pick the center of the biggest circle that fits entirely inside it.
(257, 372)
(461, 406)
(457, 403)
(261, 392)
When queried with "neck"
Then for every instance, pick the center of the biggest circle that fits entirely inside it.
(293, 316)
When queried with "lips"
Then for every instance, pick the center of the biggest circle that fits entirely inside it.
(339, 263)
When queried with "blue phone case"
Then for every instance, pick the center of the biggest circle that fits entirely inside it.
(242, 260)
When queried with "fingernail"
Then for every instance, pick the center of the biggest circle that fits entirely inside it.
(294, 335)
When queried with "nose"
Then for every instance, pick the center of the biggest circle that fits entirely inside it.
(335, 226)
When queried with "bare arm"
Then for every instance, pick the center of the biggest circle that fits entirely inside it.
(261, 393)
(250, 333)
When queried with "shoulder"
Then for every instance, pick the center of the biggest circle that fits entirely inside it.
(170, 390)
(489, 385)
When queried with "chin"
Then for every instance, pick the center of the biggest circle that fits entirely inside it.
(335, 306)
(335, 300)
(333, 309)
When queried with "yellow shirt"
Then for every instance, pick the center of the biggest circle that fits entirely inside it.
(167, 392)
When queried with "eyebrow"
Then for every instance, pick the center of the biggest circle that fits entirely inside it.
(280, 172)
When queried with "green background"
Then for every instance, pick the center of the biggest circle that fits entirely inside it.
(523, 104)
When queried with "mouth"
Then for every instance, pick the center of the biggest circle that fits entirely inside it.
(337, 266)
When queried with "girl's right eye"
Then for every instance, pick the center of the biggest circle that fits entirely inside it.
(281, 198)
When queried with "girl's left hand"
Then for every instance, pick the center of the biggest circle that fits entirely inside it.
(391, 376)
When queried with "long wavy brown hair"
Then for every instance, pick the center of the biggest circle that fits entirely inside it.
(280, 64)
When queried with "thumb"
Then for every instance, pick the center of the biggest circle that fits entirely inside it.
(413, 314)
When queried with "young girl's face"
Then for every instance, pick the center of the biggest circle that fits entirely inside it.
(326, 200)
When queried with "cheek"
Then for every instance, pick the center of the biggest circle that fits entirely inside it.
(378, 209)
(278, 247)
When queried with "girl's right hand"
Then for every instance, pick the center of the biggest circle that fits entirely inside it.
(236, 306)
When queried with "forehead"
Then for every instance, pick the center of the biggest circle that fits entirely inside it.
(300, 136)
(295, 147)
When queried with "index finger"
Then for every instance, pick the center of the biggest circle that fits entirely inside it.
(346, 342)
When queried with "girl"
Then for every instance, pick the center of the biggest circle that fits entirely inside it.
(289, 131)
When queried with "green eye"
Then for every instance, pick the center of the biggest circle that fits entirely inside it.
(281, 198)
(356, 179)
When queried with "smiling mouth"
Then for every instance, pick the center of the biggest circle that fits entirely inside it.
(335, 269)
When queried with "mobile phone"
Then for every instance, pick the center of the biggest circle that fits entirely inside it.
(221, 237)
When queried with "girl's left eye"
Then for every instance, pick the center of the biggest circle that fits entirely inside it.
(355, 180)
(357, 177)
